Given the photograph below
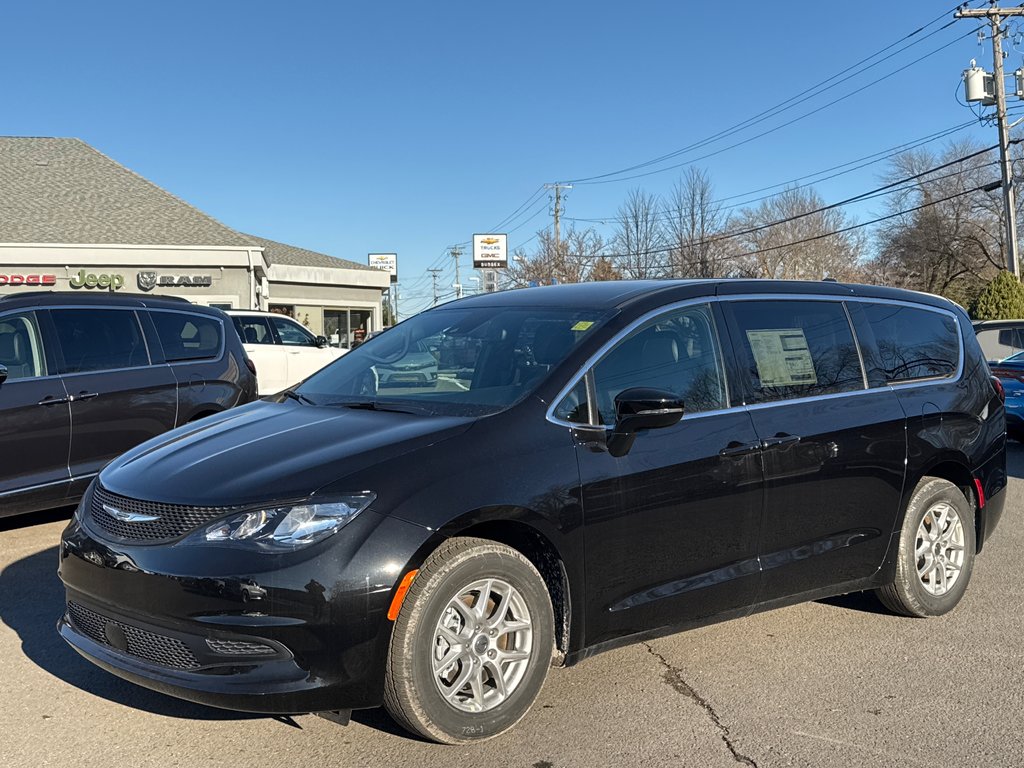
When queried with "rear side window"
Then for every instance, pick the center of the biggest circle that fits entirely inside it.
(913, 343)
(791, 349)
(1000, 343)
(187, 337)
(253, 330)
(99, 339)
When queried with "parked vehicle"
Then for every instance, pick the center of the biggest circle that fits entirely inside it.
(283, 350)
(1010, 373)
(84, 378)
(626, 459)
(1000, 339)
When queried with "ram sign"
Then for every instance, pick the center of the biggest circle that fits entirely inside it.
(490, 251)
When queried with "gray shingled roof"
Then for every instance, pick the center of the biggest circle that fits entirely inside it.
(64, 191)
(280, 253)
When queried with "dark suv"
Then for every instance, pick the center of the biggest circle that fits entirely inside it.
(85, 378)
(615, 461)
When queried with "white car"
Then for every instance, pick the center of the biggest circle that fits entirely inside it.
(283, 351)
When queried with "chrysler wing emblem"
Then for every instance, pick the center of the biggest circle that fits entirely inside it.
(129, 517)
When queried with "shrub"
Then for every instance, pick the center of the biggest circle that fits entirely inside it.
(1002, 299)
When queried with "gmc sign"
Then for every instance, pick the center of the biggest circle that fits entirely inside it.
(14, 279)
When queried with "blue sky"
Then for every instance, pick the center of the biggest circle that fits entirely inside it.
(350, 128)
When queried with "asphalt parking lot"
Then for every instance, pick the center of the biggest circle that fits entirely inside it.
(832, 683)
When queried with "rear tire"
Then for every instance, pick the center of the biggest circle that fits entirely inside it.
(936, 552)
(477, 611)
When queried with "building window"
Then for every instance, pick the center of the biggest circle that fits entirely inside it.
(346, 328)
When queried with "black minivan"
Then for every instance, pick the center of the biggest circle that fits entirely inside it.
(607, 462)
(84, 378)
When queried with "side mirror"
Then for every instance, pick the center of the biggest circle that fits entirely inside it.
(321, 341)
(645, 408)
(3, 373)
(642, 408)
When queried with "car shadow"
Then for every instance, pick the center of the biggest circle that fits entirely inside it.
(31, 602)
(862, 602)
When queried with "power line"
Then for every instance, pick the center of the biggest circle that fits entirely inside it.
(812, 91)
(780, 126)
(856, 198)
(856, 164)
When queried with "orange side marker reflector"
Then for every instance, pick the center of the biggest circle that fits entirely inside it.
(403, 588)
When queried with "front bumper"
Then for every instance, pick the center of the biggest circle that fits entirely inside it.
(270, 633)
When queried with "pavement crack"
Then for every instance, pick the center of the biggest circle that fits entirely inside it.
(674, 677)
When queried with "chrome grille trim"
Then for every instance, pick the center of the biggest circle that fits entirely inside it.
(171, 520)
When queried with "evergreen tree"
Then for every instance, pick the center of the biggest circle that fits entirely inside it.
(1002, 299)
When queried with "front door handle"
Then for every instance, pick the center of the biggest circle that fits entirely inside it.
(740, 449)
(780, 440)
(85, 396)
(51, 400)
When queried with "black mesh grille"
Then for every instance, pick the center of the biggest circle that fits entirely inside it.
(173, 520)
(154, 648)
(240, 648)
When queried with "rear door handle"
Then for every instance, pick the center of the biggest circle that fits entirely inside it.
(740, 449)
(84, 396)
(780, 440)
(51, 400)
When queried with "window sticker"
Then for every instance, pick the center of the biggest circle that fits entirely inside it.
(782, 357)
(582, 325)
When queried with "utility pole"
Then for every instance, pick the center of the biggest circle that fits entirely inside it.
(433, 276)
(995, 15)
(558, 208)
(456, 254)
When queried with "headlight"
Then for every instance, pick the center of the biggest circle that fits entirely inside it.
(290, 526)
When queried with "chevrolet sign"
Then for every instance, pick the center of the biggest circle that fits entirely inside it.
(490, 251)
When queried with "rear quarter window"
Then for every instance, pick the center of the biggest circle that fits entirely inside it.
(188, 337)
(911, 343)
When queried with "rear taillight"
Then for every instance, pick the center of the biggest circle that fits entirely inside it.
(250, 365)
(997, 385)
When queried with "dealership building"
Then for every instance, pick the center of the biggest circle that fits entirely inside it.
(73, 219)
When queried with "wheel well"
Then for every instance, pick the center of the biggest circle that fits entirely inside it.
(545, 558)
(961, 477)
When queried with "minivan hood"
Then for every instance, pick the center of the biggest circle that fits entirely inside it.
(269, 451)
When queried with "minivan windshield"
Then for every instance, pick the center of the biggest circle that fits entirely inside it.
(459, 361)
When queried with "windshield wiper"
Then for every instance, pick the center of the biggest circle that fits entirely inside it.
(291, 393)
(370, 405)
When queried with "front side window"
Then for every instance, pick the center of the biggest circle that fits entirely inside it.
(464, 361)
(677, 352)
(913, 343)
(21, 351)
(253, 330)
(99, 339)
(187, 337)
(791, 349)
(292, 333)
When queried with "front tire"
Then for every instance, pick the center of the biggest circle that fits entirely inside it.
(936, 552)
(471, 645)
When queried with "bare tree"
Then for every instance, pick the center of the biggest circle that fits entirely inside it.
(954, 243)
(694, 223)
(640, 238)
(569, 261)
(782, 239)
